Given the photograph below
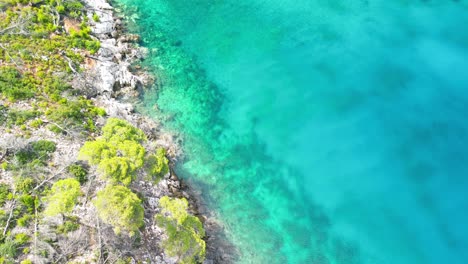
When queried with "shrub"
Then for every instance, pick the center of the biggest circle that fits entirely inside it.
(184, 231)
(118, 130)
(117, 153)
(24, 220)
(96, 151)
(121, 208)
(21, 238)
(8, 249)
(98, 111)
(19, 117)
(133, 151)
(71, 224)
(158, 164)
(24, 185)
(36, 123)
(13, 86)
(96, 17)
(62, 197)
(4, 193)
(36, 153)
(43, 146)
(27, 201)
(118, 169)
(78, 172)
(55, 129)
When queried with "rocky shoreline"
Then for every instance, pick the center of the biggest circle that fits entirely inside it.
(112, 84)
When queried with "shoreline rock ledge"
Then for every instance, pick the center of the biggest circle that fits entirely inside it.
(110, 83)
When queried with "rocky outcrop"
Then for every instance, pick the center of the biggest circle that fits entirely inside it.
(111, 73)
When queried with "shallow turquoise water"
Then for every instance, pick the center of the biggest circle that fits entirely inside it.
(320, 131)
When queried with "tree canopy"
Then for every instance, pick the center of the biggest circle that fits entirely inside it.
(118, 130)
(118, 153)
(63, 197)
(158, 164)
(120, 207)
(184, 231)
(96, 151)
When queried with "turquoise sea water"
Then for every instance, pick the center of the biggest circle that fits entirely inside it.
(319, 131)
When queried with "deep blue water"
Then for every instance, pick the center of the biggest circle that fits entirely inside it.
(320, 131)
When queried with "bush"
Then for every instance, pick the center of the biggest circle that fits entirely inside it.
(36, 123)
(121, 208)
(13, 86)
(117, 153)
(8, 249)
(27, 201)
(62, 197)
(19, 117)
(71, 224)
(24, 220)
(24, 185)
(21, 239)
(36, 153)
(158, 164)
(96, 151)
(4, 193)
(96, 17)
(184, 231)
(43, 146)
(118, 130)
(118, 169)
(78, 172)
(55, 129)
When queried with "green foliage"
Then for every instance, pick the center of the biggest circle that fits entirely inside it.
(8, 249)
(118, 130)
(118, 169)
(24, 184)
(117, 153)
(121, 208)
(80, 173)
(62, 197)
(13, 85)
(184, 231)
(19, 117)
(96, 17)
(55, 129)
(71, 224)
(74, 8)
(36, 153)
(43, 146)
(75, 111)
(24, 220)
(21, 238)
(4, 193)
(98, 111)
(158, 164)
(28, 202)
(36, 123)
(133, 151)
(124, 261)
(96, 151)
